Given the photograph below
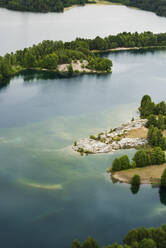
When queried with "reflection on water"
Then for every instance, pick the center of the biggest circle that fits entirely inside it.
(134, 189)
(21, 29)
(50, 194)
(162, 193)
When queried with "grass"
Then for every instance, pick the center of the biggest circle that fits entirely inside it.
(137, 133)
(148, 175)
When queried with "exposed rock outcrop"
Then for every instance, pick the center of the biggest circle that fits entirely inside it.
(113, 140)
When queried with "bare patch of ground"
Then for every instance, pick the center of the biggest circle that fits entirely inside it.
(137, 133)
(149, 175)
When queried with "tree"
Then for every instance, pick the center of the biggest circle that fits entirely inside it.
(163, 179)
(147, 243)
(125, 162)
(50, 61)
(157, 156)
(161, 122)
(151, 121)
(116, 165)
(154, 136)
(135, 181)
(90, 243)
(141, 158)
(147, 106)
(76, 244)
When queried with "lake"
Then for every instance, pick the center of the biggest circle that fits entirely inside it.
(21, 29)
(51, 195)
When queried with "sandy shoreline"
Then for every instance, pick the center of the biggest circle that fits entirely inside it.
(97, 2)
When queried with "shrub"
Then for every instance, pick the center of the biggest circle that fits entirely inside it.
(147, 243)
(157, 156)
(75, 143)
(92, 137)
(135, 181)
(147, 106)
(125, 162)
(116, 165)
(141, 158)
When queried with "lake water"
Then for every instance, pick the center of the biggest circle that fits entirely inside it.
(19, 30)
(51, 195)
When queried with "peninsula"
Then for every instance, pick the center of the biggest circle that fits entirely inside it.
(146, 134)
(148, 163)
(78, 56)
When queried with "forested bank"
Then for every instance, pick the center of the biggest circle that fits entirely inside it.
(136, 238)
(40, 5)
(50, 54)
(156, 6)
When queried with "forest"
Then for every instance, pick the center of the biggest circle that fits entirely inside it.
(136, 238)
(40, 5)
(49, 54)
(157, 6)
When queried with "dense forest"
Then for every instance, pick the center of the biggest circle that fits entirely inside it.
(50, 54)
(137, 238)
(40, 5)
(157, 6)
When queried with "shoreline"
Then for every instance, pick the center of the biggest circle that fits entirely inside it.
(98, 2)
(148, 175)
(131, 134)
(119, 49)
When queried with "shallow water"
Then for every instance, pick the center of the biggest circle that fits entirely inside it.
(51, 195)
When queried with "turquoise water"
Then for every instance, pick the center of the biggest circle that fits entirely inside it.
(51, 195)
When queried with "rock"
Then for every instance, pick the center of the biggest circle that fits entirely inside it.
(112, 141)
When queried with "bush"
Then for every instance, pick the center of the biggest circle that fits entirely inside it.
(147, 243)
(141, 158)
(147, 106)
(157, 156)
(92, 137)
(116, 165)
(75, 143)
(135, 181)
(125, 162)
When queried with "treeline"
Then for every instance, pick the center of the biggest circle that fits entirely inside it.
(156, 121)
(125, 39)
(154, 153)
(157, 6)
(148, 107)
(40, 5)
(136, 238)
(141, 158)
(49, 54)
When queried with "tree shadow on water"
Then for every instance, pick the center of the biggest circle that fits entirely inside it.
(134, 189)
(162, 194)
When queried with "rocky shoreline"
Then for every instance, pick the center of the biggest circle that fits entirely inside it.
(110, 141)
